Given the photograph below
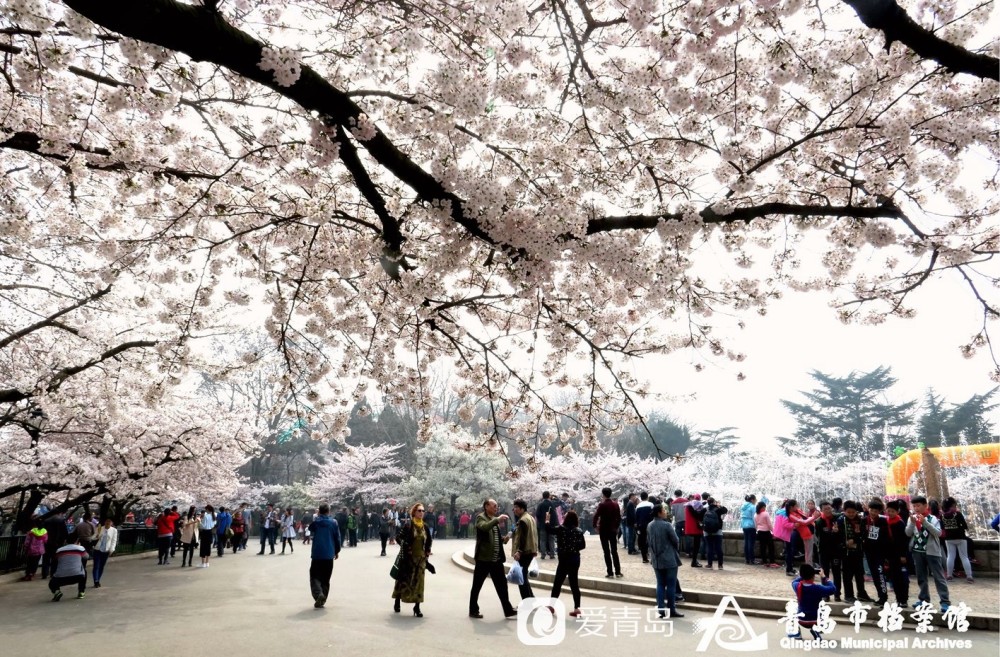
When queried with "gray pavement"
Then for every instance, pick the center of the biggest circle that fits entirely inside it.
(247, 604)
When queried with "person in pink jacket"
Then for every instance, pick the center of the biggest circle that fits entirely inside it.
(765, 536)
(34, 548)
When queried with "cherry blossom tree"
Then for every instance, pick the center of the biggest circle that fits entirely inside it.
(104, 445)
(450, 468)
(297, 496)
(536, 192)
(367, 474)
(583, 475)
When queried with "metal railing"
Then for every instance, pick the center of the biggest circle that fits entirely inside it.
(132, 539)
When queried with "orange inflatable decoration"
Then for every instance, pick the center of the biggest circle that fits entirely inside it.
(897, 478)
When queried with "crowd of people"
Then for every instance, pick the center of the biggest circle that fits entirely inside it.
(839, 542)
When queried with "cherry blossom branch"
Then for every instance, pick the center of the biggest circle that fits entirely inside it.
(50, 320)
(410, 100)
(32, 143)
(893, 21)
(393, 259)
(205, 36)
(596, 353)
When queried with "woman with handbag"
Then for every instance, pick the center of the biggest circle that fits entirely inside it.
(414, 548)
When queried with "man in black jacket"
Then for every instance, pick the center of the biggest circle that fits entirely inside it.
(899, 552)
(546, 523)
(831, 545)
(607, 520)
(643, 515)
(877, 547)
(630, 528)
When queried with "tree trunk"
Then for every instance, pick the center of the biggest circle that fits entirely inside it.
(23, 521)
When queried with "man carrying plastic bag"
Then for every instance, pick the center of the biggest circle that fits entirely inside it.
(525, 546)
(516, 574)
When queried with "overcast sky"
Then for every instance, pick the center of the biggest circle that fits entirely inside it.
(801, 333)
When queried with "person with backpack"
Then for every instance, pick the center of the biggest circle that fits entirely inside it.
(712, 526)
(677, 514)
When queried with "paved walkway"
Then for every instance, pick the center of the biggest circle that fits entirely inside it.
(245, 604)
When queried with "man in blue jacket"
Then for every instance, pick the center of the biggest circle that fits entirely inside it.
(325, 548)
(223, 521)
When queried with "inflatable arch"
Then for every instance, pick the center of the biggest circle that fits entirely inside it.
(897, 478)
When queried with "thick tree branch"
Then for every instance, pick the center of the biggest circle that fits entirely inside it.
(204, 35)
(893, 21)
(710, 216)
(392, 260)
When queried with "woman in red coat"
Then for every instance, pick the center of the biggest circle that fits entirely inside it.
(694, 511)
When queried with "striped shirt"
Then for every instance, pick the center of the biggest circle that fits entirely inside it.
(69, 561)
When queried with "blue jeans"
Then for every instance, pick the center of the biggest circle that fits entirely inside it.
(749, 535)
(100, 560)
(630, 539)
(666, 585)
